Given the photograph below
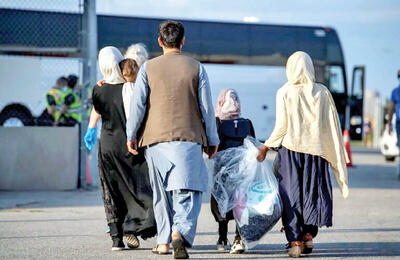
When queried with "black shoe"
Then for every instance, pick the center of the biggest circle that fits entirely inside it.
(223, 245)
(308, 244)
(179, 249)
(118, 244)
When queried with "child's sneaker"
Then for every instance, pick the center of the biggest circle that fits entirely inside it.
(222, 245)
(308, 244)
(237, 247)
(296, 247)
(118, 244)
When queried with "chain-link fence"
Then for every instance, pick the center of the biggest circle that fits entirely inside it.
(44, 56)
(40, 42)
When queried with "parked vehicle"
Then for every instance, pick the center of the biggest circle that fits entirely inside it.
(24, 82)
(229, 49)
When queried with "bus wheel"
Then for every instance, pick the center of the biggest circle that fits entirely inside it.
(16, 115)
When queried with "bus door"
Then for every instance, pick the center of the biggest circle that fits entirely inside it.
(356, 103)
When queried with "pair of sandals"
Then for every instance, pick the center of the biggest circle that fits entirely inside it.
(305, 246)
(179, 252)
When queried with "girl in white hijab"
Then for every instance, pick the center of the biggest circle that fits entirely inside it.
(308, 135)
(124, 179)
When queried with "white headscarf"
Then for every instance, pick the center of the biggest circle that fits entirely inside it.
(109, 58)
(228, 105)
(138, 53)
(300, 69)
(306, 118)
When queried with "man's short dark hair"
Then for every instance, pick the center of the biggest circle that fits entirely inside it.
(62, 81)
(398, 74)
(171, 33)
(72, 80)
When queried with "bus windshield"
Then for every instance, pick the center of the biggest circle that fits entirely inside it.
(256, 87)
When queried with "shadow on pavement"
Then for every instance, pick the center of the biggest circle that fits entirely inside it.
(50, 220)
(49, 199)
(365, 150)
(322, 250)
(373, 176)
(322, 230)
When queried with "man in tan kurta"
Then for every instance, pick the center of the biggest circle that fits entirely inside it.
(171, 104)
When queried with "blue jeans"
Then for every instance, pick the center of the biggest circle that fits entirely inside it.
(398, 133)
(398, 144)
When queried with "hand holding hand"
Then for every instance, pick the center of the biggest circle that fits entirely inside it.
(211, 151)
(90, 138)
(262, 153)
(132, 147)
(101, 82)
(390, 127)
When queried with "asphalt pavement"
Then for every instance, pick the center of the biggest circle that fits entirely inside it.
(71, 224)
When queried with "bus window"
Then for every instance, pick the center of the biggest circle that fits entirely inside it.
(256, 86)
(335, 79)
(358, 84)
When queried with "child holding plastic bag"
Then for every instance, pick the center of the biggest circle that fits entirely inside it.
(308, 134)
(250, 189)
(232, 130)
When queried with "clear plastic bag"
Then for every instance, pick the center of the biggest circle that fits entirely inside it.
(248, 187)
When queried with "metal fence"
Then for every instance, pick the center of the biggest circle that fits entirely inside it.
(41, 41)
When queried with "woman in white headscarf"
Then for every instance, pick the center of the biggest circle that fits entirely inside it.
(139, 54)
(124, 178)
(232, 130)
(308, 135)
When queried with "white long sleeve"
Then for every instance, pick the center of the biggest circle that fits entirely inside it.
(127, 93)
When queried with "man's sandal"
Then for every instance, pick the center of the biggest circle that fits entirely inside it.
(179, 249)
(155, 251)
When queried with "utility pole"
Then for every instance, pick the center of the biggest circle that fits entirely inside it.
(89, 62)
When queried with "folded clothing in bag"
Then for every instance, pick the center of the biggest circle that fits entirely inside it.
(249, 188)
(252, 224)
